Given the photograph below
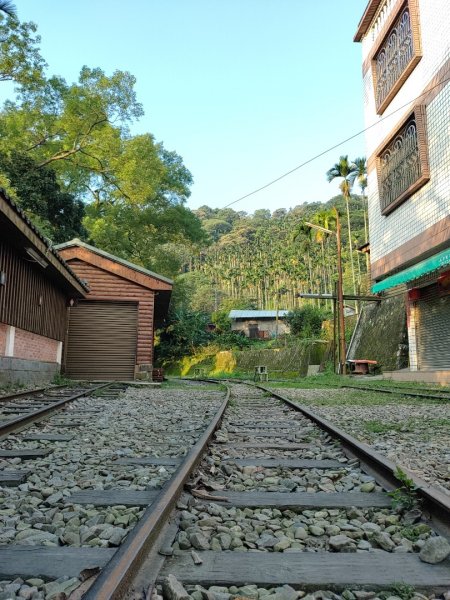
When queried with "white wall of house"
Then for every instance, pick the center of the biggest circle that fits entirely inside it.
(263, 325)
(424, 216)
(432, 202)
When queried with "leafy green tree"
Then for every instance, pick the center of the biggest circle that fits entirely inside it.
(58, 213)
(20, 58)
(306, 322)
(345, 170)
(186, 331)
(221, 320)
(216, 228)
(80, 128)
(142, 233)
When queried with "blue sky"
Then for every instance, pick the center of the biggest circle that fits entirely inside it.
(243, 90)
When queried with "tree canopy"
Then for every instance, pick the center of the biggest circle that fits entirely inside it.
(68, 157)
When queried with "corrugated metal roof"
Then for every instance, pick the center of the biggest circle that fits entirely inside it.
(257, 314)
(117, 259)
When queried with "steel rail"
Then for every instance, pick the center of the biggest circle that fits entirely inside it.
(435, 502)
(397, 391)
(392, 390)
(19, 423)
(30, 392)
(114, 579)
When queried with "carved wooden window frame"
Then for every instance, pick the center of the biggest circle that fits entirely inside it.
(413, 8)
(419, 115)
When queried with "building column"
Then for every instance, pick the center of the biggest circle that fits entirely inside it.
(412, 315)
(59, 353)
(10, 337)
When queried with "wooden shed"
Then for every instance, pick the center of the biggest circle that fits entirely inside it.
(36, 288)
(110, 335)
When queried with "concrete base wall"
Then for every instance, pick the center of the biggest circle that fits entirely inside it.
(437, 377)
(18, 370)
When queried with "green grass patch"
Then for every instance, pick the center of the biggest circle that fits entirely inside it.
(59, 379)
(10, 388)
(376, 426)
(329, 383)
(399, 590)
(175, 384)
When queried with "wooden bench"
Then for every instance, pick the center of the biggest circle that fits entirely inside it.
(362, 366)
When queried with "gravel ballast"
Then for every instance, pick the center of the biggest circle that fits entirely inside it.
(141, 422)
(415, 435)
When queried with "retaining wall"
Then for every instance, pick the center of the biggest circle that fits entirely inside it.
(381, 334)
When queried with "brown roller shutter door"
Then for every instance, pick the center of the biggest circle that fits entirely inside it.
(433, 330)
(102, 340)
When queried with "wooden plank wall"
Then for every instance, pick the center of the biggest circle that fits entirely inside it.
(29, 300)
(104, 285)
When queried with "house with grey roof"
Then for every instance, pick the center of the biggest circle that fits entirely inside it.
(259, 324)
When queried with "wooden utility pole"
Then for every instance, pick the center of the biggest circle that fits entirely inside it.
(340, 298)
(340, 289)
(334, 328)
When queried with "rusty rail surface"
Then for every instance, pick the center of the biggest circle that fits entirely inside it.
(8, 397)
(115, 580)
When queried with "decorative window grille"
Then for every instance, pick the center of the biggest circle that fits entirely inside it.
(382, 16)
(403, 162)
(396, 56)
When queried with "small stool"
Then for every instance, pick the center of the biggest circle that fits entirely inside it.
(261, 373)
(199, 373)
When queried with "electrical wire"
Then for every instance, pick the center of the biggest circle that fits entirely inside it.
(310, 160)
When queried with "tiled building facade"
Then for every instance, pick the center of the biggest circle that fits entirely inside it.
(406, 73)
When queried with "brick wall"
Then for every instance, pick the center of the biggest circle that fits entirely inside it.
(3, 333)
(31, 346)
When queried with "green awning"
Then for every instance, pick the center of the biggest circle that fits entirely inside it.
(434, 263)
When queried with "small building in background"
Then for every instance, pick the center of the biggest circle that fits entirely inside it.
(36, 289)
(259, 324)
(111, 333)
(406, 67)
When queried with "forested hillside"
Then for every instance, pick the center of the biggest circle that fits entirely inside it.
(266, 259)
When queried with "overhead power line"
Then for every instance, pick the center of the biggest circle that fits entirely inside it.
(313, 158)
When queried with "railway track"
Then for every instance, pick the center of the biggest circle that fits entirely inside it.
(403, 391)
(280, 504)
(78, 483)
(414, 392)
(21, 409)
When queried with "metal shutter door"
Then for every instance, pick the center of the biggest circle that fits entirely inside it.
(102, 340)
(433, 330)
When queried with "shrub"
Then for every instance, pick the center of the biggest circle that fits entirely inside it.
(306, 322)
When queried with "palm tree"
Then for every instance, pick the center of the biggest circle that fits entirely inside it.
(8, 8)
(360, 175)
(345, 170)
(303, 233)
